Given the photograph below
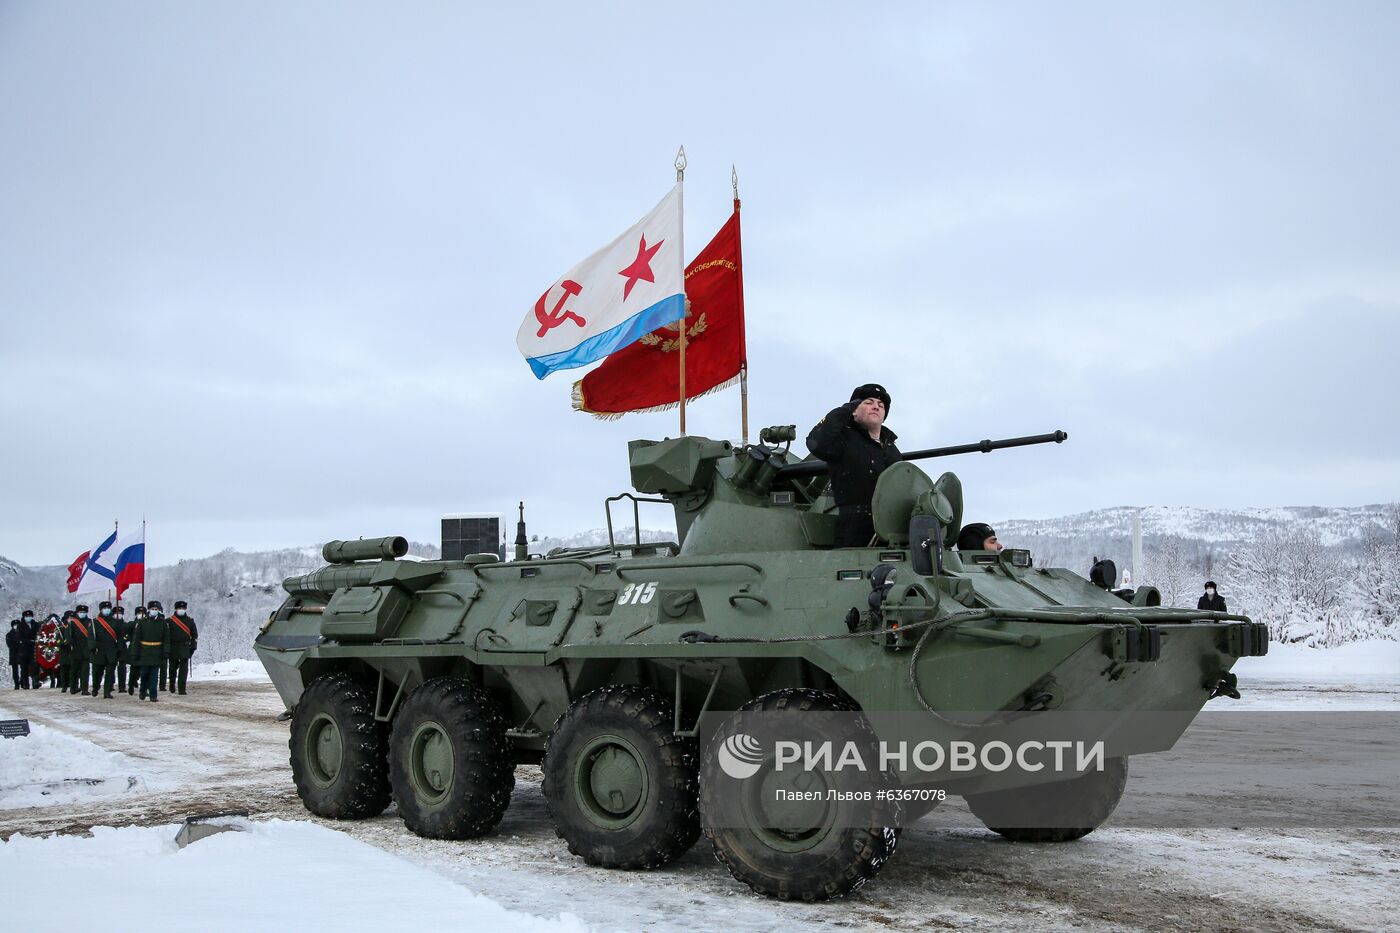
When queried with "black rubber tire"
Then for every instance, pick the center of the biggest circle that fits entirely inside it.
(1088, 800)
(337, 710)
(842, 861)
(663, 822)
(467, 731)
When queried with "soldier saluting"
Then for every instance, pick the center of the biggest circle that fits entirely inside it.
(184, 641)
(857, 448)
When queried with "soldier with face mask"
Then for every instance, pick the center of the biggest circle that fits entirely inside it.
(1211, 601)
(150, 647)
(184, 641)
(80, 651)
(106, 641)
(123, 647)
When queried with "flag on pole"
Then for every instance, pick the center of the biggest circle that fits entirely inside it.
(628, 288)
(87, 573)
(130, 565)
(644, 376)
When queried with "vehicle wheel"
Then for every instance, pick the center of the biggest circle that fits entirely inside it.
(805, 851)
(339, 752)
(1083, 803)
(450, 763)
(621, 786)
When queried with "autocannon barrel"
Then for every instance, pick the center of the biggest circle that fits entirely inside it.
(817, 467)
(347, 552)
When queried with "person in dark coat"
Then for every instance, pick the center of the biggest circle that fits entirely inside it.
(857, 448)
(1211, 601)
(14, 646)
(184, 642)
(29, 667)
(106, 644)
(80, 651)
(150, 648)
(123, 648)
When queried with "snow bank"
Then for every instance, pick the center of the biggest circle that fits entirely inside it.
(277, 875)
(47, 768)
(237, 669)
(1357, 662)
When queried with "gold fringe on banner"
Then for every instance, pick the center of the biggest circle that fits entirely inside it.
(614, 415)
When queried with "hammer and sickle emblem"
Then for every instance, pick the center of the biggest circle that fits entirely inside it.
(560, 314)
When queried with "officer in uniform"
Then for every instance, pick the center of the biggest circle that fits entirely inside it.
(153, 608)
(184, 641)
(62, 632)
(106, 643)
(857, 448)
(150, 647)
(14, 646)
(123, 628)
(80, 651)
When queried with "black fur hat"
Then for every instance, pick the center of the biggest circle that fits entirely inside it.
(871, 390)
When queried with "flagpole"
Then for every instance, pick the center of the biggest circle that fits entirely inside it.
(743, 339)
(143, 558)
(116, 530)
(685, 302)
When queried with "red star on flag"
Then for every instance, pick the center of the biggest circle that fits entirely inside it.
(641, 266)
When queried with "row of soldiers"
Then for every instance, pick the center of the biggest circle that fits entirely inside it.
(150, 651)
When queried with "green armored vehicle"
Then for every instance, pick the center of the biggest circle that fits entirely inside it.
(427, 682)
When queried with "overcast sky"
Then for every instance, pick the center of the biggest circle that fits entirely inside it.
(262, 264)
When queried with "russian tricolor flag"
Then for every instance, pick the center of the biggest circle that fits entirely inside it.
(131, 561)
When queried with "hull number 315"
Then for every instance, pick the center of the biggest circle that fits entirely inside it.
(635, 594)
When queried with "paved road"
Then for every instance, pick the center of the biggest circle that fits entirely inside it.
(223, 749)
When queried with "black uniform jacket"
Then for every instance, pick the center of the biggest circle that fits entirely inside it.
(854, 459)
(1214, 603)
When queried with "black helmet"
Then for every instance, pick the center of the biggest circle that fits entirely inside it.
(871, 390)
(974, 536)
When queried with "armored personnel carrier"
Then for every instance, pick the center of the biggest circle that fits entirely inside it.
(427, 682)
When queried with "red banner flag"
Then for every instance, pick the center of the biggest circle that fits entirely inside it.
(645, 376)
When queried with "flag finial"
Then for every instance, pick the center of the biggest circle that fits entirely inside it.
(734, 179)
(680, 164)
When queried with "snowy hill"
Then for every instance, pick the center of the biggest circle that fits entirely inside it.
(1319, 576)
(1218, 528)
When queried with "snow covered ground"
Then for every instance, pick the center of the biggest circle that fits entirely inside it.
(237, 669)
(51, 768)
(221, 748)
(209, 886)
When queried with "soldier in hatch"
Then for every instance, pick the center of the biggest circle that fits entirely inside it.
(857, 448)
(979, 536)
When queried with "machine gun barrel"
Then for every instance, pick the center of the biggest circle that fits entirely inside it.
(809, 468)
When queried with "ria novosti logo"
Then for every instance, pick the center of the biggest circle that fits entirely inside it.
(740, 756)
